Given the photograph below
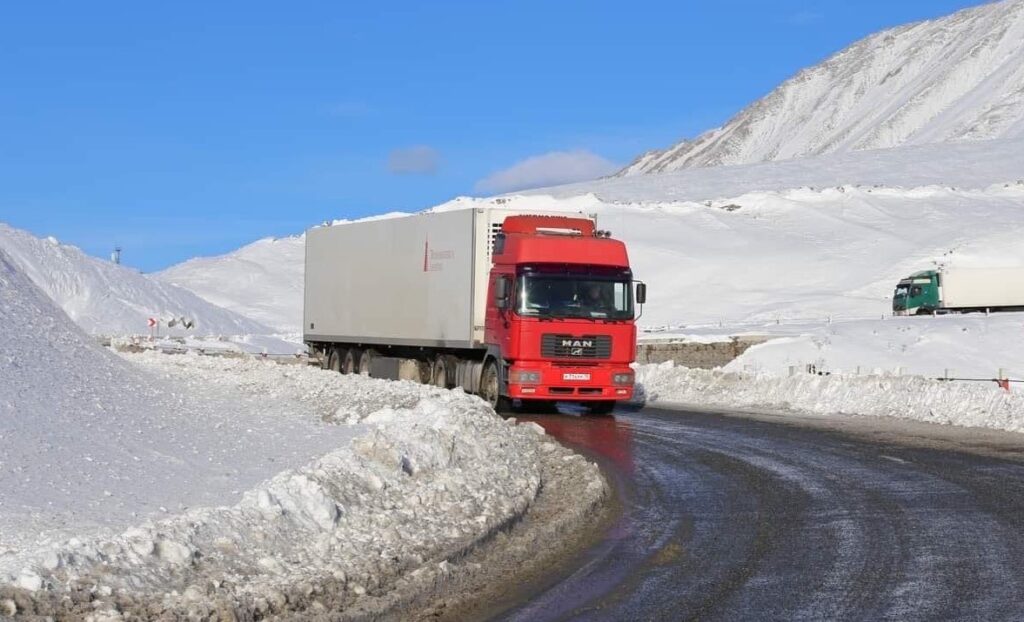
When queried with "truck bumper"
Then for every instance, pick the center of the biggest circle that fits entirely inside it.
(570, 383)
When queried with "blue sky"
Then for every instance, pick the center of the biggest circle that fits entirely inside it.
(191, 128)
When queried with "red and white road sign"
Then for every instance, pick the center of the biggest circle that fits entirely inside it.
(152, 322)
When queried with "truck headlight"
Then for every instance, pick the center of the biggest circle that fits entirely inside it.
(520, 376)
(623, 379)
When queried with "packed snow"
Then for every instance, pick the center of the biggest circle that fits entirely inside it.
(158, 482)
(109, 299)
(956, 346)
(90, 443)
(972, 404)
(957, 78)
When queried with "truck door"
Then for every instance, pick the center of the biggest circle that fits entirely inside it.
(495, 331)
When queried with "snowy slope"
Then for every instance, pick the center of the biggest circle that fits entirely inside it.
(89, 442)
(262, 281)
(959, 78)
(962, 165)
(108, 299)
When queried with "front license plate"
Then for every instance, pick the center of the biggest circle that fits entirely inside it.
(575, 376)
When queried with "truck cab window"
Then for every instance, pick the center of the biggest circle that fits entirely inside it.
(571, 296)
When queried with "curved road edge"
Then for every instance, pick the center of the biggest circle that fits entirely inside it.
(722, 511)
(571, 514)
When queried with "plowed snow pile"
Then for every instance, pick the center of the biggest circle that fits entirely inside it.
(109, 299)
(981, 405)
(163, 485)
(90, 443)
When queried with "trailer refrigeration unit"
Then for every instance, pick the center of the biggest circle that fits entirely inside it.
(959, 290)
(508, 305)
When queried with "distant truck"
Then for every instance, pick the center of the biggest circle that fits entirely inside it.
(960, 290)
(508, 305)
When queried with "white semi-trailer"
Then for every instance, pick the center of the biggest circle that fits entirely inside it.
(510, 305)
(953, 290)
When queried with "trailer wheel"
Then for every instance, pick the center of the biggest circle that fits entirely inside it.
(490, 389)
(365, 360)
(351, 361)
(440, 374)
(334, 360)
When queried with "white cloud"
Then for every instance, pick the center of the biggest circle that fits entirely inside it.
(549, 169)
(416, 160)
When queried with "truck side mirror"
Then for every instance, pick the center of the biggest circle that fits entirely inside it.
(501, 293)
(641, 293)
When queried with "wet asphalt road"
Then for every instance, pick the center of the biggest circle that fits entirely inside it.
(732, 518)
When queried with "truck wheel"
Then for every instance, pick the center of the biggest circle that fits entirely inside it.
(351, 361)
(440, 374)
(334, 360)
(601, 408)
(365, 360)
(490, 389)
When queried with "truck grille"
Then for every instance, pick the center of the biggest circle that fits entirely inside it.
(570, 347)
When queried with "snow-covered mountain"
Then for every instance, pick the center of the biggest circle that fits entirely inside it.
(108, 299)
(958, 78)
(262, 281)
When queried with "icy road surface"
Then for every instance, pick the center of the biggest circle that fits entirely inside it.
(783, 518)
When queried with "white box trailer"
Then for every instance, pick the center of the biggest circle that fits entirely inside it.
(981, 288)
(402, 281)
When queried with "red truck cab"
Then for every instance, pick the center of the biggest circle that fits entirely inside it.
(560, 322)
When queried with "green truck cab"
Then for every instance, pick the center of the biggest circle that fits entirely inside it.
(918, 293)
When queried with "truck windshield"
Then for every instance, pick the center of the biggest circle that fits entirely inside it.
(570, 296)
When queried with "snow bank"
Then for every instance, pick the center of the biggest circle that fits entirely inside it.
(92, 444)
(173, 484)
(423, 486)
(905, 397)
(962, 346)
(108, 299)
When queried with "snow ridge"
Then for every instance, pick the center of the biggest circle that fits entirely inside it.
(958, 78)
(907, 397)
(108, 299)
(262, 281)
